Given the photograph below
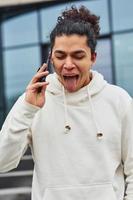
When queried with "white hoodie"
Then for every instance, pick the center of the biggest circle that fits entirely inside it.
(91, 161)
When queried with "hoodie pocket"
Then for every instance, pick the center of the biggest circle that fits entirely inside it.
(82, 192)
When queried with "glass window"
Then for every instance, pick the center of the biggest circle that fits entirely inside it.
(1, 118)
(103, 62)
(1, 101)
(20, 30)
(122, 14)
(124, 60)
(19, 67)
(1, 87)
(49, 15)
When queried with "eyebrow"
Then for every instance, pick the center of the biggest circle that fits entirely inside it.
(74, 52)
(59, 51)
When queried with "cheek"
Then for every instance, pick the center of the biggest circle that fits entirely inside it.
(84, 68)
(57, 65)
(84, 64)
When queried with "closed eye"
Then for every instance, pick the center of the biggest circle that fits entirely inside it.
(60, 55)
(78, 54)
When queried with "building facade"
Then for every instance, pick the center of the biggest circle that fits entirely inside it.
(24, 42)
(24, 46)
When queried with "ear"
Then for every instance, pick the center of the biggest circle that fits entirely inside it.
(93, 56)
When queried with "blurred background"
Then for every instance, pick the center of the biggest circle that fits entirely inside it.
(24, 44)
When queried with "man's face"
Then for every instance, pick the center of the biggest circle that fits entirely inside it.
(72, 60)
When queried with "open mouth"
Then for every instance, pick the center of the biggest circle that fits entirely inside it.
(71, 82)
(70, 77)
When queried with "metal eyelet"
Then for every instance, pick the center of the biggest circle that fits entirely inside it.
(67, 128)
(99, 136)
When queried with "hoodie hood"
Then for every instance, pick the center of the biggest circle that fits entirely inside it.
(95, 86)
(82, 96)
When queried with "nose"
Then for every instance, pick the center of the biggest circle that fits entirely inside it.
(69, 63)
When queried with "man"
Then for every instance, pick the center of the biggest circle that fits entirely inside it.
(79, 126)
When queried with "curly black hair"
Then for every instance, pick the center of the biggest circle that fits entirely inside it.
(77, 21)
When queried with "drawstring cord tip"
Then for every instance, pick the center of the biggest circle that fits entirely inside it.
(67, 128)
(99, 136)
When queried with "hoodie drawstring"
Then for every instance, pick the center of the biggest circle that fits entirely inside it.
(67, 126)
(99, 134)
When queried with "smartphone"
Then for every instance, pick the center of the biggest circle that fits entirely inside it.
(48, 66)
(43, 79)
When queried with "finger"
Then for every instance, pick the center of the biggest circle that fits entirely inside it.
(37, 85)
(39, 76)
(42, 68)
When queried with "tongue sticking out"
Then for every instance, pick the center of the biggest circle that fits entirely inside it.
(70, 83)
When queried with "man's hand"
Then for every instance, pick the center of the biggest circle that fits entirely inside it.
(35, 95)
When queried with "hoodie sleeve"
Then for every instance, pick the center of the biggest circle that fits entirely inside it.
(127, 150)
(15, 133)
